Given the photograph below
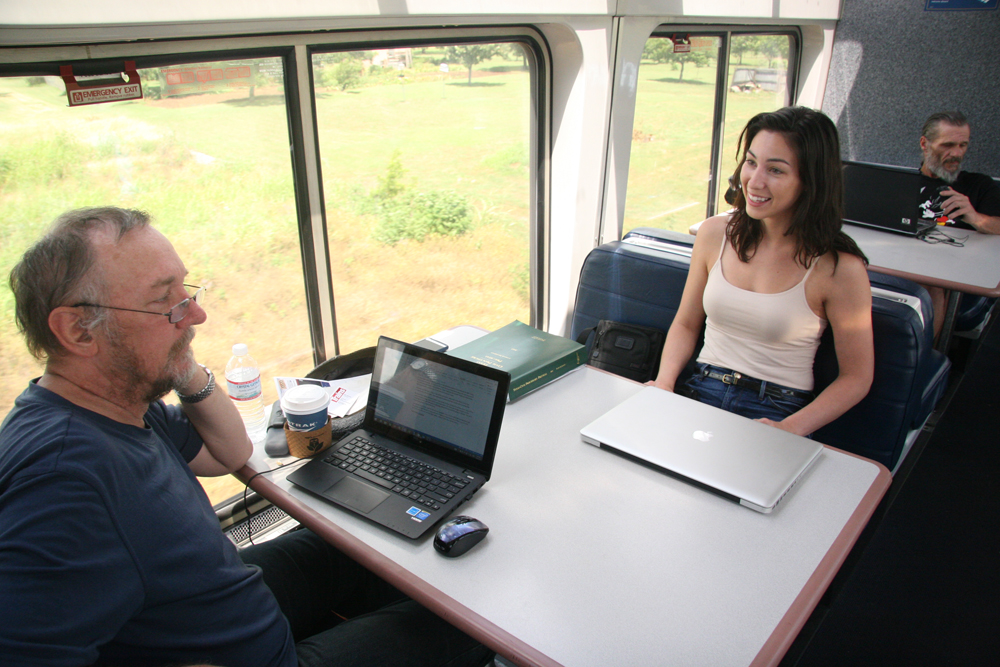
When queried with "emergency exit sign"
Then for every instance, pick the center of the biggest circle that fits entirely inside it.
(93, 90)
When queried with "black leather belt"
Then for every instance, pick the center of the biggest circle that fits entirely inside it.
(739, 380)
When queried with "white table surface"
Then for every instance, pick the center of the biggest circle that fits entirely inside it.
(593, 561)
(971, 269)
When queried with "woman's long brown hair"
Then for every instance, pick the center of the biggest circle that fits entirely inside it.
(816, 222)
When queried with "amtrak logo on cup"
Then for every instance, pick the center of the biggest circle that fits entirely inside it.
(305, 407)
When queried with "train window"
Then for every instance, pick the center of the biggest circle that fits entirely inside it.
(425, 158)
(205, 152)
(688, 117)
(671, 153)
(758, 81)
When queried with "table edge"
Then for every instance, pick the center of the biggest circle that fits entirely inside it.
(444, 606)
(936, 282)
(774, 649)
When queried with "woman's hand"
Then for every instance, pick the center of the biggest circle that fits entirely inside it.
(782, 425)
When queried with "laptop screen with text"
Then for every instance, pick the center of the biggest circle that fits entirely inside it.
(435, 403)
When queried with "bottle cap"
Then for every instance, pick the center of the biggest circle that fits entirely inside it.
(240, 350)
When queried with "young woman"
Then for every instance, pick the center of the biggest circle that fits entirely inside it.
(766, 280)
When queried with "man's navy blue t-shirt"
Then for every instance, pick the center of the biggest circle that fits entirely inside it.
(111, 553)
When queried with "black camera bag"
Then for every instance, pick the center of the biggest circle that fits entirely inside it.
(628, 350)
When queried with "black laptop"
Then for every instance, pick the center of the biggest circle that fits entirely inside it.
(883, 197)
(427, 443)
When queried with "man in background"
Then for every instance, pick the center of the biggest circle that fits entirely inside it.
(964, 199)
(110, 552)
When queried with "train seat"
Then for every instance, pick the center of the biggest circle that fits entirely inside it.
(640, 279)
(973, 315)
(910, 375)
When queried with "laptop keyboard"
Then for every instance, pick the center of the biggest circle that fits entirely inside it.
(421, 483)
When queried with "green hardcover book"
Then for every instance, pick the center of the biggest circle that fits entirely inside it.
(532, 357)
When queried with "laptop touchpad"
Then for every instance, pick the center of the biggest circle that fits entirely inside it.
(356, 494)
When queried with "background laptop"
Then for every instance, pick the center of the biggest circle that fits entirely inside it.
(883, 197)
(425, 409)
(740, 459)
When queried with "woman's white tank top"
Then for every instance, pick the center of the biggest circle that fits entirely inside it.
(771, 337)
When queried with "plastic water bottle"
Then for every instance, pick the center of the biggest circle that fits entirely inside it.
(243, 380)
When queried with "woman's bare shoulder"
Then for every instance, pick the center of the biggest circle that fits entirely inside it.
(832, 263)
(713, 229)
(843, 271)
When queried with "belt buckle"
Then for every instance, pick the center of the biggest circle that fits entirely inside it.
(731, 378)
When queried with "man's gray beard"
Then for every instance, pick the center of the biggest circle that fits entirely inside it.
(936, 168)
(134, 386)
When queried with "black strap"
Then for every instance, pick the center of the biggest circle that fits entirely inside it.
(352, 364)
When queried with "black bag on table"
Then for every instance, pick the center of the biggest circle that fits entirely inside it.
(629, 350)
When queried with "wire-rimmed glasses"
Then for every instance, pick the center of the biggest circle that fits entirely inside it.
(174, 315)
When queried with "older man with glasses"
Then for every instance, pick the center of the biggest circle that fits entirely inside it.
(110, 551)
(950, 194)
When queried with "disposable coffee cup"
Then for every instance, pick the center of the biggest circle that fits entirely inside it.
(305, 407)
(308, 443)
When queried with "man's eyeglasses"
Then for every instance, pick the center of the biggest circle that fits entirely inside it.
(174, 315)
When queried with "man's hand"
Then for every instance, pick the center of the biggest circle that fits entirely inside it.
(958, 205)
(192, 380)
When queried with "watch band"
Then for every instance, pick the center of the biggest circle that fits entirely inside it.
(205, 392)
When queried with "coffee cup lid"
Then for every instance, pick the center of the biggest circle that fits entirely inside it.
(304, 399)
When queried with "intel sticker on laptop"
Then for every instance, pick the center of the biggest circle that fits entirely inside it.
(417, 514)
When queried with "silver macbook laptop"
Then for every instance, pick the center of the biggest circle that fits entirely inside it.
(739, 459)
(427, 442)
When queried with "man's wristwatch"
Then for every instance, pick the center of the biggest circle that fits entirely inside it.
(201, 395)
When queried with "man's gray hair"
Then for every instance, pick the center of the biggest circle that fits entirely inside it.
(930, 129)
(59, 271)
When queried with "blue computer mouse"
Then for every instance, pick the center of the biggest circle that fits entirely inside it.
(459, 534)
